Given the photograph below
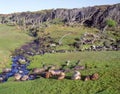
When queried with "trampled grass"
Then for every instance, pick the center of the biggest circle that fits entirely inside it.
(106, 64)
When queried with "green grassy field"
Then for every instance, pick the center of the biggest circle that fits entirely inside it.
(106, 64)
(10, 38)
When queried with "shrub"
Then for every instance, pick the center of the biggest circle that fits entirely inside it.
(111, 23)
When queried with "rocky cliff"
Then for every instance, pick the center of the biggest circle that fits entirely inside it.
(91, 16)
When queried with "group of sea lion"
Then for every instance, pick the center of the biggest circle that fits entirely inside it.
(60, 74)
(77, 76)
(49, 74)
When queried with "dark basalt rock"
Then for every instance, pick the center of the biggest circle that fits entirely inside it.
(90, 16)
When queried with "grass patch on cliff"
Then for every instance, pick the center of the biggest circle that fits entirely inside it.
(106, 64)
(10, 38)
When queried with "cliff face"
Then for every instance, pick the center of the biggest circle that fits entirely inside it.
(91, 16)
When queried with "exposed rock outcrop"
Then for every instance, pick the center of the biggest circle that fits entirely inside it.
(91, 16)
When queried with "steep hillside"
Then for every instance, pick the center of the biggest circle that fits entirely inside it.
(91, 16)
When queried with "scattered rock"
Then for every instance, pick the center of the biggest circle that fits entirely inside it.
(17, 76)
(24, 78)
(76, 75)
(87, 78)
(61, 76)
(6, 70)
(94, 76)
